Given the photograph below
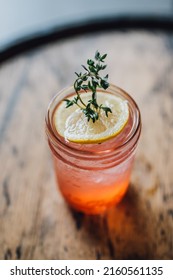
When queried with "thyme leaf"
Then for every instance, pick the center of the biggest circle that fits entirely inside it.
(91, 80)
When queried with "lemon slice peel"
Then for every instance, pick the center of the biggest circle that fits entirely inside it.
(73, 125)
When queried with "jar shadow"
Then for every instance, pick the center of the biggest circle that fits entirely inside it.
(120, 233)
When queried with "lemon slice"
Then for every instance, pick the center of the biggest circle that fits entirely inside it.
(73, 125)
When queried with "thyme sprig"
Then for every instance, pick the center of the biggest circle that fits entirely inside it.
(91, 80)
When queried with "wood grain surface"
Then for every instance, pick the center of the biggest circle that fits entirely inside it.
(35, 222)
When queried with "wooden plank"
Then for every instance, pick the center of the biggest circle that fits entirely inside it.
(35, 222)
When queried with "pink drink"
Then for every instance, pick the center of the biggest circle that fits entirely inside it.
(92, 177)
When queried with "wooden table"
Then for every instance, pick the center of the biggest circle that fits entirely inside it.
(35, 222)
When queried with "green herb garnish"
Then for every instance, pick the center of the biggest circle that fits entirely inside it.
(90, 80)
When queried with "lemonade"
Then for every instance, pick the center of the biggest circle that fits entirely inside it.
(93, 172)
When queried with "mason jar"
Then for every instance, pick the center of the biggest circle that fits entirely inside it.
(93, 177)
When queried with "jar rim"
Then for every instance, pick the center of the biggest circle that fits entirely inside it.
(54, 139)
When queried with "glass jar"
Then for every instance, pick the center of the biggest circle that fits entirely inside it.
(93, 177)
